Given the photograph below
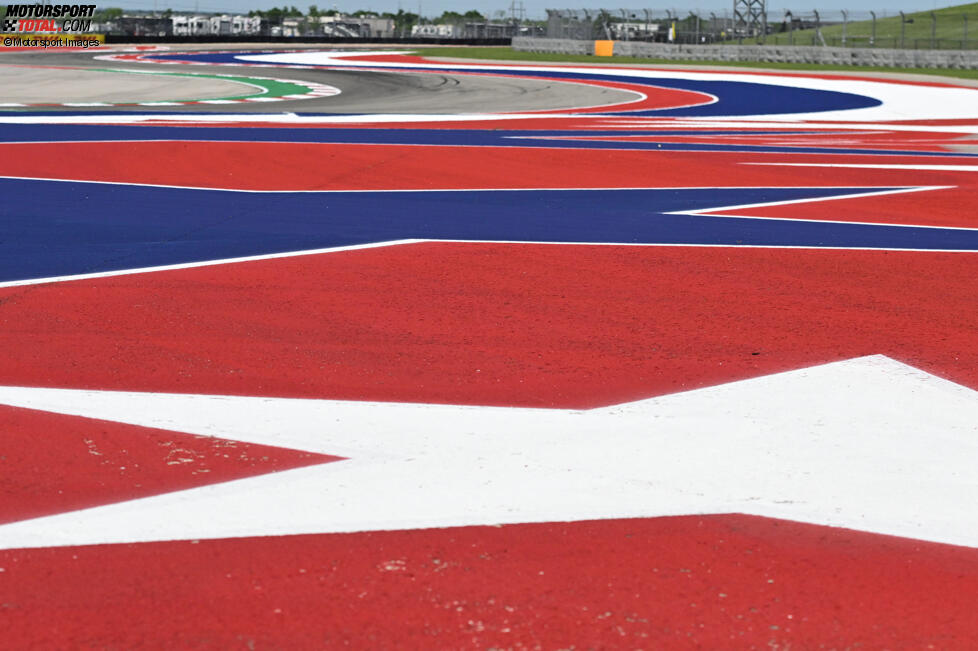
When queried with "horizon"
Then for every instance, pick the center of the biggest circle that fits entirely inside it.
(532, 9)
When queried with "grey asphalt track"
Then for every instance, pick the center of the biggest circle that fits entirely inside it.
(43, 85)
(362, 91)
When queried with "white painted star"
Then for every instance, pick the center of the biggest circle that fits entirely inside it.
(869, 444)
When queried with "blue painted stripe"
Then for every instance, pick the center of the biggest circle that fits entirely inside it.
(61, 228)
(439, 137)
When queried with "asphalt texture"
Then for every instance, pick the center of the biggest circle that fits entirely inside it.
(362, 91)
(31, 85)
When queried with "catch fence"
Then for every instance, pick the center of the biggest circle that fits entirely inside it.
(946, 29)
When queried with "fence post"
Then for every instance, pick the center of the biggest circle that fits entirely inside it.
(903, 31)
(845, 25)
(872, 38)
(933, 31)
(602, 18)
(740, 35)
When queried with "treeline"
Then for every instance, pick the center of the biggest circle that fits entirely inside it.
(402, 19)
(276, 14)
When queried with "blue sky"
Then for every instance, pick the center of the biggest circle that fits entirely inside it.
(534, 8)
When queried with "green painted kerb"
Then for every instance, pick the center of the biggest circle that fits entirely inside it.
(265, 87)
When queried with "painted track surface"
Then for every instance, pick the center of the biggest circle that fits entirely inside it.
(693, 371)
(362, 91)
(39, 85)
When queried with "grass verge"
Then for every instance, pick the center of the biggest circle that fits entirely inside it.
(508, 54)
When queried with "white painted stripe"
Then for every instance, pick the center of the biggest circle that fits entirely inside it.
(882, 190)
(879, 166)
(702, 212)
(205, 263)
(338, 249)
(772, 123)
(711, 212)
(868, 444)
(304, 119)
(715, 246)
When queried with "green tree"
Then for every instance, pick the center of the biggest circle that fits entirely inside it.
(273, 15)
(403, 20)
(107, 15)
(455, 17)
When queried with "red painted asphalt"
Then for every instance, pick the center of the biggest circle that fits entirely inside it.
(501, 324)
(56, 463)
(464, 323)
(304, 166)
(716, 582)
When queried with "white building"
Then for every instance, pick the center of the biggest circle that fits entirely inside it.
(291, 27)
(357, 26)
(225, 25)
(245, 25)
(199, 25)
(435, 31)
(180, 27)
(633, 31)
(221, 25)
